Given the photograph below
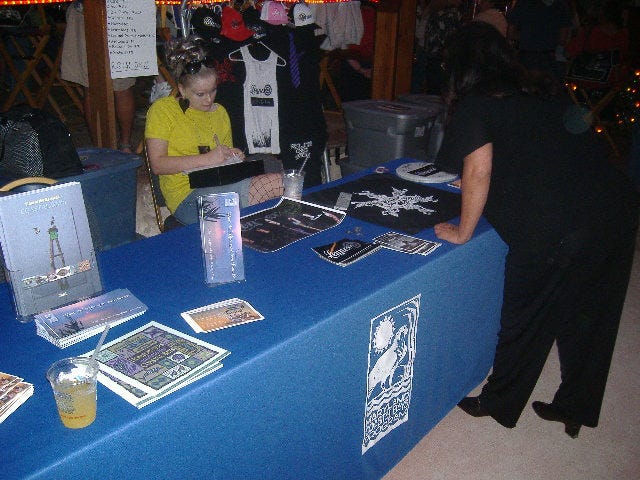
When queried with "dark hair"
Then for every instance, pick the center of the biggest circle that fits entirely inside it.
(479, 60)
(187, 58)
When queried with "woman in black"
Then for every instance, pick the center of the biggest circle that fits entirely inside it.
(570, 218)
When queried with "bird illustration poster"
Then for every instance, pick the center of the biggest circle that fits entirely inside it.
(392, 350)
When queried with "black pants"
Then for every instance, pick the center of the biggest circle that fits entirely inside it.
(572, 293)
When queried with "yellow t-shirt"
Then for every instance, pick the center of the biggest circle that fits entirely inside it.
(184, 132)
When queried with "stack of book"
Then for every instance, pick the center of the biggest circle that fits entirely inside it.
(13, 393)
(153, 361)
(73, 323)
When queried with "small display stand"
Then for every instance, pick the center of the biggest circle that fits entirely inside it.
(219, 215)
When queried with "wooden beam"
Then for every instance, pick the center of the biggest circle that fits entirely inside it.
(102, 118)
(393, 50)
(405, 43)
(384, 53)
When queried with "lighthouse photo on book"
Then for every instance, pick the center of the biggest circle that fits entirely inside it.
(47, 249)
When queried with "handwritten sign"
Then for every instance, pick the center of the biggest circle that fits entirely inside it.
(131, 38)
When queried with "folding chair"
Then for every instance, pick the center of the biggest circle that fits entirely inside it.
(165, 220)
(583, 93)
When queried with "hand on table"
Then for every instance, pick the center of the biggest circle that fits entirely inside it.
(450, 233)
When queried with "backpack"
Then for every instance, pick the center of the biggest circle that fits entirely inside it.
(34, 143)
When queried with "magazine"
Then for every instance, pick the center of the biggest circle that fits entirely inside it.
(287, 222)
(73, 323)
(13, 393)
(346, 251)
(47, 248)
(153, 361)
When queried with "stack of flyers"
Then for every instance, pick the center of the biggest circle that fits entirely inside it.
(346, 251)
(228, 313)
(78, 321)
(153, 361)
(406, 243)
(13, 393)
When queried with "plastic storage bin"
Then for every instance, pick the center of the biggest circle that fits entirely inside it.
(109, 187)
(437, 130)
(381, 130)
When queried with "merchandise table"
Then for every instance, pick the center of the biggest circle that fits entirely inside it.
(291, 401)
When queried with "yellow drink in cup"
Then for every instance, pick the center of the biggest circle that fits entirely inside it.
(73, 381)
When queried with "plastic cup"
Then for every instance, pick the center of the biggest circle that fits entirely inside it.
(292, 181)
(73, 381)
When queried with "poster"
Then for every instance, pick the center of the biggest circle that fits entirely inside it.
(131, 38)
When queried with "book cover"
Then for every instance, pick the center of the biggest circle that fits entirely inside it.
(47, 248)
(156, 360)
(15, 397)
(285, 223)
(13, 393)
(72, 323)
(219, 215)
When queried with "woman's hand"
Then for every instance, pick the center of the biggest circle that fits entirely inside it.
(450, 233)
(223, 155)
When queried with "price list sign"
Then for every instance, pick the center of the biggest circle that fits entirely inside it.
(131, 38)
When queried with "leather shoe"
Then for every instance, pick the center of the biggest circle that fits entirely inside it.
(548, 411)
(471, 405)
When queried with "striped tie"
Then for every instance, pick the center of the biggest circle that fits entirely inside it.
(293, 62)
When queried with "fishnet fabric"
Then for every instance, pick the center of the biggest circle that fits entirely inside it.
(20, 154)
(265, 187)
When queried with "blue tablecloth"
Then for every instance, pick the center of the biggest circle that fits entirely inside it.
(290, 401)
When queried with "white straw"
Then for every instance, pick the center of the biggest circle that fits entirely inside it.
(303, 164)
(100, 342)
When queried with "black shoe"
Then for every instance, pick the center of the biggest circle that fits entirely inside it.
(547, 411)
(471, 405)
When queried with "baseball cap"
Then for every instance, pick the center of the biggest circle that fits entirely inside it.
(274, 13)
(233, 26)
(206, 22)
(303, 15)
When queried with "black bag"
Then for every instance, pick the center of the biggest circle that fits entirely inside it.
(34, 143)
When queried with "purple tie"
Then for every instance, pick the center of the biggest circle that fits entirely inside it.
(293, 62)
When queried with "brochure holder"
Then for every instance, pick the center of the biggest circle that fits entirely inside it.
(219, 216)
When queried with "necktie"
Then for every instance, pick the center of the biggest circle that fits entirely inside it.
(293, 62)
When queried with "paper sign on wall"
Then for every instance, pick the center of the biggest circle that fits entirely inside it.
(131, 38)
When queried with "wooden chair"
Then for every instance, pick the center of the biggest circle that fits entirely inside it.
(27, 183)
(584, 93)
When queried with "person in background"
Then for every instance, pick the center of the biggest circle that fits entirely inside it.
(444, 20)
(192, 131)
(492, 12)
(608, 32)
(568, 216)
(356, 66)
(73, 68)
(540, 28)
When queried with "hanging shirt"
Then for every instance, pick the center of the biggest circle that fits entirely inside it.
(261, 103)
